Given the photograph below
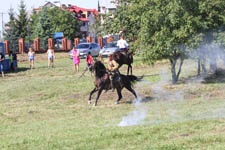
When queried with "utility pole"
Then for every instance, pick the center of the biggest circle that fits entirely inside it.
(1, 13)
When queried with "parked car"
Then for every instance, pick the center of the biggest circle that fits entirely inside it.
(109, 48)
(84, 48)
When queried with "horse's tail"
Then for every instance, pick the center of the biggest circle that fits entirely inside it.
(134, 78)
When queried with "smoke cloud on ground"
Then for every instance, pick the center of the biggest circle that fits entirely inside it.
(167, 106)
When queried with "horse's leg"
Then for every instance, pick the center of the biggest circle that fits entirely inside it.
(129, 88)
(98, 95)
(128, 70)
(92, 92)
(118, 90)
(131, 69)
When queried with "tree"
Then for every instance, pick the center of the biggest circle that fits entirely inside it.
(169, 29)
(43, 29)
(167, 32)
(33, 21)
(22, 20)
(64, 22)
(11, 32)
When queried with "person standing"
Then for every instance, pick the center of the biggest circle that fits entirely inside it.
(51, 57)
(76, 59)
(89, 60)
(31, 58)
(2, 58)
(122, 44)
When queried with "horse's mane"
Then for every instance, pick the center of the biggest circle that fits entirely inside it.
(99, 68)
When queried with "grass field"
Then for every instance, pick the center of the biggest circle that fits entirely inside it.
(47, 109)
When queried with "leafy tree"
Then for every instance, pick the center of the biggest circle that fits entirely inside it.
(43, 29)
(213, 28)
(169, 29)
(34, 19)
(11, 32)
(64, 22)
(22, 20)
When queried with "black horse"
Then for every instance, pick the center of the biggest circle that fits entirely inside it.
(102, 82)
(124, 58)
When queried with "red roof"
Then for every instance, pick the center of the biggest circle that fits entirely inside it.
(83, 19)
(78, 9)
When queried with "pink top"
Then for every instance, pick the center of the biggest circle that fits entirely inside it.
(76, 58)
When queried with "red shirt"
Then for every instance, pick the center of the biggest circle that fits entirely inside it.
(89, 59)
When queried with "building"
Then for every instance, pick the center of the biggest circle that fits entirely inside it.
(107, 6)
(48, 5)
(86, 16)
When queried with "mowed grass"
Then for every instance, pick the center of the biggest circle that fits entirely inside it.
(47, 109)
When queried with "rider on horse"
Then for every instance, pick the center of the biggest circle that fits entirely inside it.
(113, 68)
(122, 44)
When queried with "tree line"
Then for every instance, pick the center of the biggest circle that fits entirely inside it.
(172, 29)
(42, 24)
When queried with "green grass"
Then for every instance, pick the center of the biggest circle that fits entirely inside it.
(47, 109)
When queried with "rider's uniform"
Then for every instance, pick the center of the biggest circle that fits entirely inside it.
(122, 44)
(113, 67)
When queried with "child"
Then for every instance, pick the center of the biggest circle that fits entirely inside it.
(31, 58)
(76, 59)
(51, 57)
(89, 60)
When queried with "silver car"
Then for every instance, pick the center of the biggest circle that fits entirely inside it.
(84, 48)
(109, 48)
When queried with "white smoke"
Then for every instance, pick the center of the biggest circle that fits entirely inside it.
(136, 116)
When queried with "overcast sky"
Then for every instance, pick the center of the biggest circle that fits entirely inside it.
(6, 4)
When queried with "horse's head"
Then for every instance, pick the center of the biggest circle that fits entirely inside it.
(99, 68)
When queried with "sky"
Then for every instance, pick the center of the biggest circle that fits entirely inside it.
(6, 4)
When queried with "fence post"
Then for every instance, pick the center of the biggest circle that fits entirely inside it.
(110, 39)
(64, 44)
(68, 44)
(100, 41)
(6, 43)
(36, 44)
(21, 45)
(51, 43)
(89, 40)
(76, 41)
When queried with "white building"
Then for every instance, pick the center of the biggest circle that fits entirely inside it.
(107, 6)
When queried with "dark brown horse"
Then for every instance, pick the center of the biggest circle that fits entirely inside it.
(102, 82)
(124, 58)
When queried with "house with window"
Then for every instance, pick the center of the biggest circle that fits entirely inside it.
(107, 6)
(86, 16)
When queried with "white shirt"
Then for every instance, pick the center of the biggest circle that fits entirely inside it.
(122, 44)
(50, 53)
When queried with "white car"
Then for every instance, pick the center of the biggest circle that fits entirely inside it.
(109, 48)
(84, 48)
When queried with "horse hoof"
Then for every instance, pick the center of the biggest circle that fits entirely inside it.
(94, 105)
(116, 103)
(89, 102)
